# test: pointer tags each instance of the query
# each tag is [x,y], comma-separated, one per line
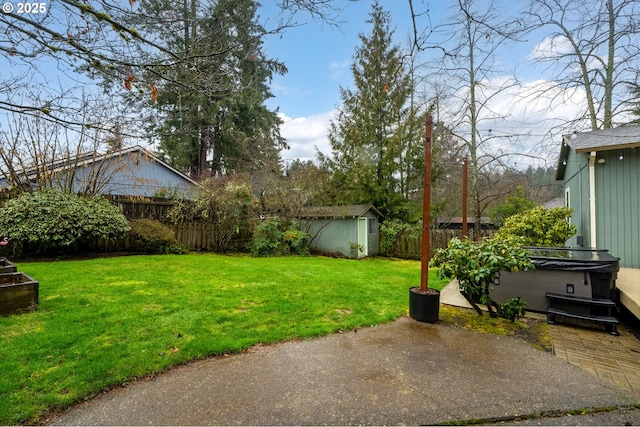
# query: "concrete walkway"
[402,373]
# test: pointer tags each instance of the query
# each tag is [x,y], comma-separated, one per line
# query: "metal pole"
[426,207]
[464,198]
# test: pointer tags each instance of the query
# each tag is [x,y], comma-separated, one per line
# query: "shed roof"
[558,202]
[619,138]
[350,211]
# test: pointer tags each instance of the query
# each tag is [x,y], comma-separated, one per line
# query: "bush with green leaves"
[394,232]
[539,227]
[47,220]
[153,237]
[296,240]
[476,264]
[225,204]
[275,238]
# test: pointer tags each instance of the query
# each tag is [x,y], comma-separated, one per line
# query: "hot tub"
[586,273]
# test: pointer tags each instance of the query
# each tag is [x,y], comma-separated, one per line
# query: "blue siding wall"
[132,174]
[331,235]
[618,205]
[577,181]
[617,202]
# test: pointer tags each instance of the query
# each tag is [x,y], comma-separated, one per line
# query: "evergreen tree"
[373,139]
[228,128]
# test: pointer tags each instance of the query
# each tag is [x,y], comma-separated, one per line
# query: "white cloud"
[526,118]
[284,90]
[551,47]
[560,49]
[306,135]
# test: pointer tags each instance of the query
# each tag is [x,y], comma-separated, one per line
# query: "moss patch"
[534,331]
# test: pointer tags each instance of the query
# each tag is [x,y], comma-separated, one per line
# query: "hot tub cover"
[573,259]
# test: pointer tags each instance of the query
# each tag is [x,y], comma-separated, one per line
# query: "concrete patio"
[615,359]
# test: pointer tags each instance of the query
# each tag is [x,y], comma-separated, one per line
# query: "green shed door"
[363,237]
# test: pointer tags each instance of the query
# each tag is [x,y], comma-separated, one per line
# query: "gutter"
[592,199]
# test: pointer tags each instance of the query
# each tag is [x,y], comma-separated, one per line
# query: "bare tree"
[472,88]
[124,43]
[593,47]
[36,153]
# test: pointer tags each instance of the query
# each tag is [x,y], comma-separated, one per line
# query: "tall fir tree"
[227,128]
[375,138]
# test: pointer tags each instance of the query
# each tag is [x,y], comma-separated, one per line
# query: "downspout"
[592,199]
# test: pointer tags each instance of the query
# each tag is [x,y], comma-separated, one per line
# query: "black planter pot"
[424,307]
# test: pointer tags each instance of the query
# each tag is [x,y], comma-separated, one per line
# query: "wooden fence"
[197,236]
[139,207]
[411,248]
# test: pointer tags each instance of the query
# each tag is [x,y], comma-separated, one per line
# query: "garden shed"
[351,231]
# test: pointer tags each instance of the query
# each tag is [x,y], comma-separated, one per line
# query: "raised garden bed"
[18,293]
[7,266]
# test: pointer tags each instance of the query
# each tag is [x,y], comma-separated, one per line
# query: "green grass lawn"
[103,322]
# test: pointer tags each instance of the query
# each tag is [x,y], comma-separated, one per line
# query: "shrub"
[274,238]
[267,239]
[297,241]
[225,204]
[539,227]
[393,232]
[153,237]
[48,220]
[475,265]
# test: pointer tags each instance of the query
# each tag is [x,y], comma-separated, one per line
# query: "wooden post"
[464,198]
[426,207]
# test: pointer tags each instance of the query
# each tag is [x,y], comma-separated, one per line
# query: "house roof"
[89,158]
[598,140]
[602,140]
[558,202]
[458,220]
[351,211]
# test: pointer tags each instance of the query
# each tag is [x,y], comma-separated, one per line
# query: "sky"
[318,57]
